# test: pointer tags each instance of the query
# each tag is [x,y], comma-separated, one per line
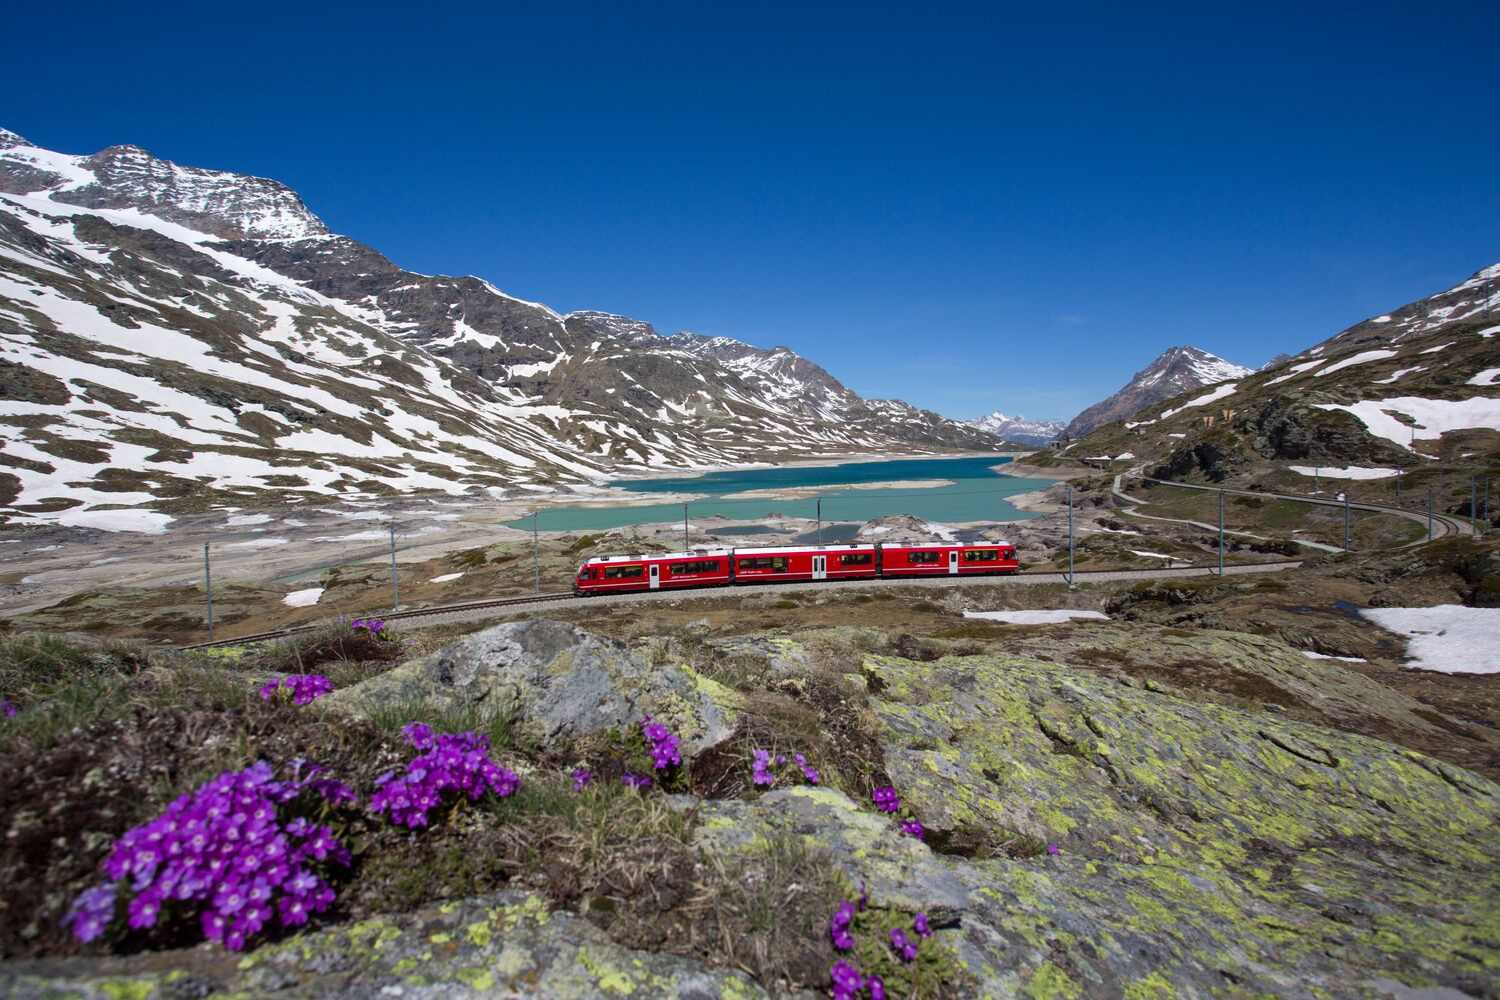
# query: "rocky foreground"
[1086,835]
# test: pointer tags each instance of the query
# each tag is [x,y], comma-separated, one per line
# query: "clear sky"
[969,208]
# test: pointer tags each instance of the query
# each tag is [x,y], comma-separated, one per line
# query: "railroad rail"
[1444,525]
[468,609]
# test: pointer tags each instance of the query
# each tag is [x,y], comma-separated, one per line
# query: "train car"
[947,559]
[675,570]
[788,563]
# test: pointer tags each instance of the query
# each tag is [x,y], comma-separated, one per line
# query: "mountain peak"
[1018,428]
[1174,371]
[212,202]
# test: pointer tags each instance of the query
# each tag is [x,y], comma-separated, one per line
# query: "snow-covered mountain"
[171,337]
[1416,387]
[1175,371]
[1019,429]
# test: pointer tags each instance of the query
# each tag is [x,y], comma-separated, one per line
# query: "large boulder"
[500,947]
[557,683]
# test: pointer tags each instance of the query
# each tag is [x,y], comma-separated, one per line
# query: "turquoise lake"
[978,494]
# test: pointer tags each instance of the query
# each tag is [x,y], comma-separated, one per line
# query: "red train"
[788,563]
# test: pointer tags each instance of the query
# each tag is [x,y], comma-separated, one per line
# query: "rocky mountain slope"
[1019,429]
[171,337]
[1176,370]
[1415,389]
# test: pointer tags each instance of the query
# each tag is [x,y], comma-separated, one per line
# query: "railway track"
[1444,525]
[472,609]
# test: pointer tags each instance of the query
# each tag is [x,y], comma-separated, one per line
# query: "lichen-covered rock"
[1204,850]
[508,945]
[558,683]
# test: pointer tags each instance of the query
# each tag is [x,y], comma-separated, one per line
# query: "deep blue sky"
[969,208]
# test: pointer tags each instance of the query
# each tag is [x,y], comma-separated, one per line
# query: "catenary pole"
[1429,515]
[395,585]
[1221,532]
[686,545]
[208,589]
[1474,503]
[536,554]
[1070,535]
[1346,519]
[820,520]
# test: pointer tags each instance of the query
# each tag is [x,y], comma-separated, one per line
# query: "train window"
[703,566]
[923,557]
[855,559]
[982,555]
[774,563]
[623,572]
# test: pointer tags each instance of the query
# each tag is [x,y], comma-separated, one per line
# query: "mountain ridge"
[177,336]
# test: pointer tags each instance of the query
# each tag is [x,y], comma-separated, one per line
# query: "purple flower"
[847,982]
[886,799]
[1053,849]
[838,926]
[418,734]
[632,780]
[453,763]
[808,772]
[224,853]
[920,925]
[581,777]
[661,744]
[8,709]
[913,828]
[304,688]
[876,986]
[760,771]
[902,945]
[370,625]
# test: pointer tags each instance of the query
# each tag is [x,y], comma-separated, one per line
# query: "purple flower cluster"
[304,688]
[8,708]
[457,762]
[1053,849]
[581,777]
[847,982]
[374,626]
[913,828]
[227,851]
[760,769]
[886,799]
[637,781]
[661,744]
[904,947]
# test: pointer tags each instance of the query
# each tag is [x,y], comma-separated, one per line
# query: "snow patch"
[445,578]
[303,598]
[1433,417]
[1449,638]
[1323,656]
[1364,357]
[1036,617]
[1345,472]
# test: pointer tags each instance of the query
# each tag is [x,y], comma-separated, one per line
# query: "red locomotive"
[791,563]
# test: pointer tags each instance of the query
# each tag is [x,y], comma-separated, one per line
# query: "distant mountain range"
[1018,429]
[174,337]
[1175,371]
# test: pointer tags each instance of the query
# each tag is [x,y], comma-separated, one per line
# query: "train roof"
[771,550]
[942,544]
[694,554]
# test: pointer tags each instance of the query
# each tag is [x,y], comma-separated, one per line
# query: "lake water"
[978,494]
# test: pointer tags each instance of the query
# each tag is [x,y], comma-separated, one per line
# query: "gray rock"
[557,683]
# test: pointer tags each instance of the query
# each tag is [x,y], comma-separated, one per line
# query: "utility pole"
[536,554]
[1316,470]
[1346,519]
[395,586]
[1486,526]
[208,588]
[1474,503]
[686,545]
[820,520]
[1221,532]
[1429,515]
[1070,536]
